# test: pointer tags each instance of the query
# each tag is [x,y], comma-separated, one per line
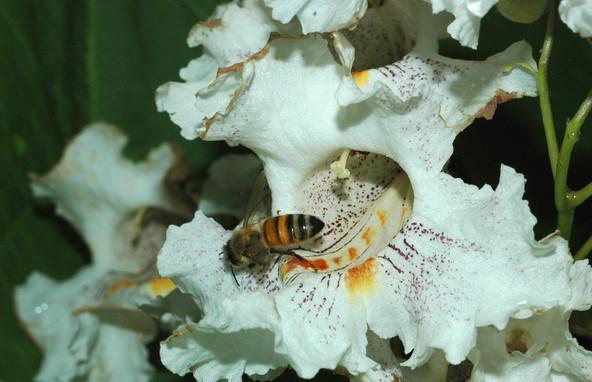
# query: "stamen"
[340,166]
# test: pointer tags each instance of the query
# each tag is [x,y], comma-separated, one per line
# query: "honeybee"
[252,244]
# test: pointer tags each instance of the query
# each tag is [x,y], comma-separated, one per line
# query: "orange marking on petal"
[368,235]
[121,284]
[353,253]
[382,216]
[294,262]
[361,279]
[337,260]
[161,287]
[361,77]
[320,264]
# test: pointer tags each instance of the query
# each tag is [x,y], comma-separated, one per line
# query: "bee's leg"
[234,277]
[303,259]
[277,259]
[301,248]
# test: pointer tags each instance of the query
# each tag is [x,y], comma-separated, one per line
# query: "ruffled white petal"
[216,356]
[319,15]
[410,290]
[192,256]
[423,100]
[535,349]
[470,245]
[235,33]
[389,368]
[577,14]
[98,191]
[467,14]
[79,345]
[177,98]
[232,35]
[198,267]
[84,333]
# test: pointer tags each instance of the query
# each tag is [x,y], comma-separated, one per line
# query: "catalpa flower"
[83,330]
[539,348]
[360,142]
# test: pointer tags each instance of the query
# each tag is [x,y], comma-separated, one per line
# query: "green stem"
[575,198]
[543,87]
[584,250]
[562,193]
[564,223]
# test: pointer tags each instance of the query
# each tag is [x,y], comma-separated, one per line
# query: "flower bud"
[522,11]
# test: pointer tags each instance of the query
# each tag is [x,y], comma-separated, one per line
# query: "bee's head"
[240,247]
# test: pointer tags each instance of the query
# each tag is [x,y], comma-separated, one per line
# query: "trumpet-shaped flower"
[83,332]
[407,251]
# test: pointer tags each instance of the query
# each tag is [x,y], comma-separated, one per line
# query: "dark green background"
[65,63]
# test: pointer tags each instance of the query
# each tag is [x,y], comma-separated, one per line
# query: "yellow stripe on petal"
[161,287]
[361,77]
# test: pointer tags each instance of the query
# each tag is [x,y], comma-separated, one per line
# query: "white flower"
[540,348]
[577,14]
[408,251]
[83,333]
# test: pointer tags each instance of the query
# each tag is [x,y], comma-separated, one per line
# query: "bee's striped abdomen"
[286,230]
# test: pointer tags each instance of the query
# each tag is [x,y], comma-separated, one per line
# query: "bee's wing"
[259,200]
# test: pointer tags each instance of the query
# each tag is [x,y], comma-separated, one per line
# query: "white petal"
[480,7]
[314,306]
[178,99]
[536,349]
[235,33]
[389,367]
[98,191]
[320,327]
[577,14]
[319,15]
[77,345]
[213,356]
[84,334]
[234,37]
[120,355]
[468,14]
[192,256]
[423,100]
[470,245]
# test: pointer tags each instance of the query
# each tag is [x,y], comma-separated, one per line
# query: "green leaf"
[40,106]
[133,47]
